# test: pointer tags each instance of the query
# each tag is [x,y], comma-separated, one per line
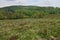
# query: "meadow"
[30,29]
[29,23]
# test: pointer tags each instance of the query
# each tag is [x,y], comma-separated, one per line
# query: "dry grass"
[29,29]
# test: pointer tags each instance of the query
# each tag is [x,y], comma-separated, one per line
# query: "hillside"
[18,12]
[30,29]
[29,23]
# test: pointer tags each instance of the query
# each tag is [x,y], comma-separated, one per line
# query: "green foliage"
[18,12]
[29,29]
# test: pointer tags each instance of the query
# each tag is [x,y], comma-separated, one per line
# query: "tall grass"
[30,29]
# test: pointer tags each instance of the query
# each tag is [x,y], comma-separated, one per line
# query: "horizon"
[43,3]
[28,6]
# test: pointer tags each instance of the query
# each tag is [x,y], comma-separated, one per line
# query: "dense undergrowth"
[30,29]
[29,23]
[20,12]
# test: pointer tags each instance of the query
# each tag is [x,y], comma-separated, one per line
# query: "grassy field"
[30,29]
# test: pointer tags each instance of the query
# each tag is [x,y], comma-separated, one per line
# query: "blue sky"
[55,3]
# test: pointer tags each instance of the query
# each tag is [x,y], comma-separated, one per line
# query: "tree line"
[19,12]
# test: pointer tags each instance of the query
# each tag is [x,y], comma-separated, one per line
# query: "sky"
[54,3]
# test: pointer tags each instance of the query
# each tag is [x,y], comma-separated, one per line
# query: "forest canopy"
[18,12]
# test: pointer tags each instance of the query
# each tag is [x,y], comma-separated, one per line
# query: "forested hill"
[18,12]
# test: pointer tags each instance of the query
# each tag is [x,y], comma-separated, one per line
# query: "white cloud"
[55,3]
[30,2]
[22,1]
[11,2]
